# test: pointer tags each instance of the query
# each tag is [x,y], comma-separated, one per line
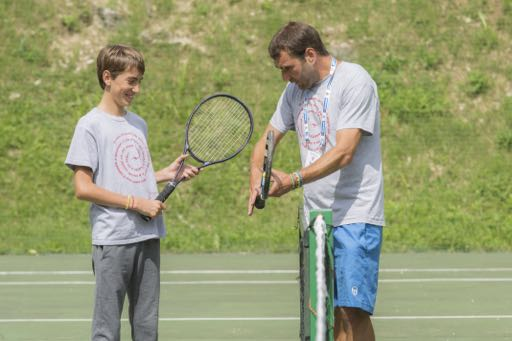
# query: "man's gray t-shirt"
[354,193]
[115,149]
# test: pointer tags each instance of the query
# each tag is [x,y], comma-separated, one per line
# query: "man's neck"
[322,69]
[324,66]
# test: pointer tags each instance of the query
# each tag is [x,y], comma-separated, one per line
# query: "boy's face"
[124,87]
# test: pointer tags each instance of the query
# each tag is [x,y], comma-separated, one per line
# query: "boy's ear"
[107,77]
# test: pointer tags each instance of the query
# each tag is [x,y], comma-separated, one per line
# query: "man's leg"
[144,292]
[353,324]
[356,260]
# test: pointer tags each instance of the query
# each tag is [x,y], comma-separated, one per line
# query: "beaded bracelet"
[299,179]
[293,181]
[128,202]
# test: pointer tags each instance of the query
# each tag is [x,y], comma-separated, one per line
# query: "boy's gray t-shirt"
[354,193]
[115,149]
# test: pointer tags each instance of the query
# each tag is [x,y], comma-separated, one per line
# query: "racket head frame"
[171,185]
[205,163]
[267,165]
[267,171]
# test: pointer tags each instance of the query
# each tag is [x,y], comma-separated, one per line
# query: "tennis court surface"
[423,296]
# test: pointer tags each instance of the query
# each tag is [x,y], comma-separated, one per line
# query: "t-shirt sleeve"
[282,119]
[359,109]
[83,150]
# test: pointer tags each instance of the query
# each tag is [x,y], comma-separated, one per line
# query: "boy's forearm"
[159,177]
[103,197]
[86,189]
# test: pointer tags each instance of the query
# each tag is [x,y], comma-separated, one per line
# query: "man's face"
[296,70]
[125,86]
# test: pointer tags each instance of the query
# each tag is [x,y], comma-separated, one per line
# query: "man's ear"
[310,55]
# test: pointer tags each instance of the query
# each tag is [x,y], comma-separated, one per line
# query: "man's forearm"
[328,163]
[338,157]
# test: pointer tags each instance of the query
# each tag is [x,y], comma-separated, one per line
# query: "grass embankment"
[444,78]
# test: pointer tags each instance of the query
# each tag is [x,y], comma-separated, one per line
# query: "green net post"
[305,332]
[329,276]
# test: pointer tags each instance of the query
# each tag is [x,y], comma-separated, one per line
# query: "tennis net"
[316,276]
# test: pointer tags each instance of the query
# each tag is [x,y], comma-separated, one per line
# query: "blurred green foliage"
[444,80]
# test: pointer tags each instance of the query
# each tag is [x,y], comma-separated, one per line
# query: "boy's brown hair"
[116,59]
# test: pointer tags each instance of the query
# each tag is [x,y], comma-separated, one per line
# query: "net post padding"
[316,263]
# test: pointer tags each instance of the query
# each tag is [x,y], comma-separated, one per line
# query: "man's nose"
[285,76]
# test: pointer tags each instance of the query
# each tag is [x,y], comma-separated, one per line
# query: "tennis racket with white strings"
[217,130]
[267,171]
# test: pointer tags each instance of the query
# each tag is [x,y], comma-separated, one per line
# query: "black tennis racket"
[218,128]
[267,171]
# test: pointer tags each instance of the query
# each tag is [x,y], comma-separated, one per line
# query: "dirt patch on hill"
[76,48]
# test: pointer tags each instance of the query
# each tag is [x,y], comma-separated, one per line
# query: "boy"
[112,169]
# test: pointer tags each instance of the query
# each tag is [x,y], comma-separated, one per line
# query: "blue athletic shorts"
[356,263]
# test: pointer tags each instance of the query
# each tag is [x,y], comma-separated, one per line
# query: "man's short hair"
[295,38]
[116,59]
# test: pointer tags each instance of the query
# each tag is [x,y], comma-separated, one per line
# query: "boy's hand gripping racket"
[218,128]
[267,171]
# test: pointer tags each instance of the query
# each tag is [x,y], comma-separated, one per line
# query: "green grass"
[444,82]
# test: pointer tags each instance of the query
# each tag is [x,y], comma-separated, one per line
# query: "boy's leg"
[144,292]
[112,271]
[356,258]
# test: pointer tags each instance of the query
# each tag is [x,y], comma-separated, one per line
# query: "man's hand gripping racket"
[217,130]
[267,171]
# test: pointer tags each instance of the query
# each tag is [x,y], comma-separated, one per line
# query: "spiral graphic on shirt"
[313,106]
[131,157]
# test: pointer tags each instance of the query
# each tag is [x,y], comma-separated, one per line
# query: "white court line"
[285,318]
[448,270]
[172,319]
[163,272]
[433,280]
[242,282]
[226,282]
[234,282]
[251,272]
[164,319]
[444,317]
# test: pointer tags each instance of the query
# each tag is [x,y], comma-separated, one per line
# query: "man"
[333,106]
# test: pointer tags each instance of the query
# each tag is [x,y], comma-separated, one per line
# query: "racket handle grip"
[162,196]
[168,189]
[259,203]
[145,217]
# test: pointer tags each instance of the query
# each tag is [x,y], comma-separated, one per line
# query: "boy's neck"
[109,106]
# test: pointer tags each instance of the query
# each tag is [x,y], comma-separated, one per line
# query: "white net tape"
[320,231]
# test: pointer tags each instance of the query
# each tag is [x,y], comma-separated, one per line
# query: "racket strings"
[219,128]
[215,141]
